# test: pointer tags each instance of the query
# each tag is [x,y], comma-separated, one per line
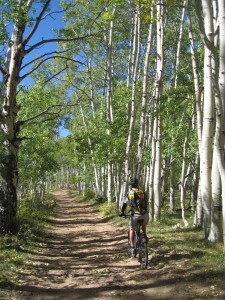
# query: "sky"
[46,31]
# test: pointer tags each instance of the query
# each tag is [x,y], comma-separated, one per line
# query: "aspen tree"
[90,145]
[220,106]
[132,113]
[216,212]
[109,93]
[198,97]
[9,111]
[157,118]
[141,140]
[182,180]
[208,114]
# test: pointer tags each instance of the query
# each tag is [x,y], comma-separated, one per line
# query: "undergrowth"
[33,216]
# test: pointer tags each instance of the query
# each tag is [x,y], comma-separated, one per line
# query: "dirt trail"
[86,258]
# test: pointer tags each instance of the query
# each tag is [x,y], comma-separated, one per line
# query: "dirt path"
[86,258]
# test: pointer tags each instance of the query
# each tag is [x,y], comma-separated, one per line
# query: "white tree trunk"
[220,120]
[197,87]
[216,213]
[157,120]
[143,103]
[182,180]
[208,119]
[177,62]
[90,146]
[136,52]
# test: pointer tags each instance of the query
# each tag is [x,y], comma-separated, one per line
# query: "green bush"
[89,194]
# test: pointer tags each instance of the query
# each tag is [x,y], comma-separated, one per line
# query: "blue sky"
[46,31]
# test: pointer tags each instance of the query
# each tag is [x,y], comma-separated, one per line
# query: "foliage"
[37,155]
[89,194]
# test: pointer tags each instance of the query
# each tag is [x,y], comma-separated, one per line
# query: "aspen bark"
[177,62]
[220,105]
[10,130]
[174,85]
[157,119]
[182,180]
[208,114]
[198,97]
[136,54]
[90,147]
[144,102]
[216,213]
[109,93]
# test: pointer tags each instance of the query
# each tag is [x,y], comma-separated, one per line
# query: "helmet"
[133,182]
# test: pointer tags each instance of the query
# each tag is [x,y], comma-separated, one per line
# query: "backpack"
[138,202]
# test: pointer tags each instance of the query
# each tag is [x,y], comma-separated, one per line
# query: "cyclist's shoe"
[133,252]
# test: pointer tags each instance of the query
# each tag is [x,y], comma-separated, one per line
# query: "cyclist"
[137,201]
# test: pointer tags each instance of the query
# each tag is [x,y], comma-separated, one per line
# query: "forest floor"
[85,257]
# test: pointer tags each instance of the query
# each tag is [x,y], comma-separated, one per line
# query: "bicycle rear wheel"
[143,254]
[128,241]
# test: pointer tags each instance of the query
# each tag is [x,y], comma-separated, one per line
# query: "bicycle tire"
[128,241]
[143,254]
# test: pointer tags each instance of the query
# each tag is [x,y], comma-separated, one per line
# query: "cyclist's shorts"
[134,221]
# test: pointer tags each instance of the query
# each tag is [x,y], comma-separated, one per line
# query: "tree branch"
[41,56]
[198,9]
[2,71]
[57,40]
[45,112]
[54,75]
[38,20]
[46,59]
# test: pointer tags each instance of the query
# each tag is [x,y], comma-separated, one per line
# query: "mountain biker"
[137,211]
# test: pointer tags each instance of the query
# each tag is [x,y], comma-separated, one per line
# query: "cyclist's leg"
[133,228]
[144,226]
[131,233]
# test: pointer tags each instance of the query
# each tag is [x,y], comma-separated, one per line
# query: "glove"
[131,213]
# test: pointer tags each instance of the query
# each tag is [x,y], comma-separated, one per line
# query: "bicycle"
[140,245]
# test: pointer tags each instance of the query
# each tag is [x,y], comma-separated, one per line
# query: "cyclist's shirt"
[137,201]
